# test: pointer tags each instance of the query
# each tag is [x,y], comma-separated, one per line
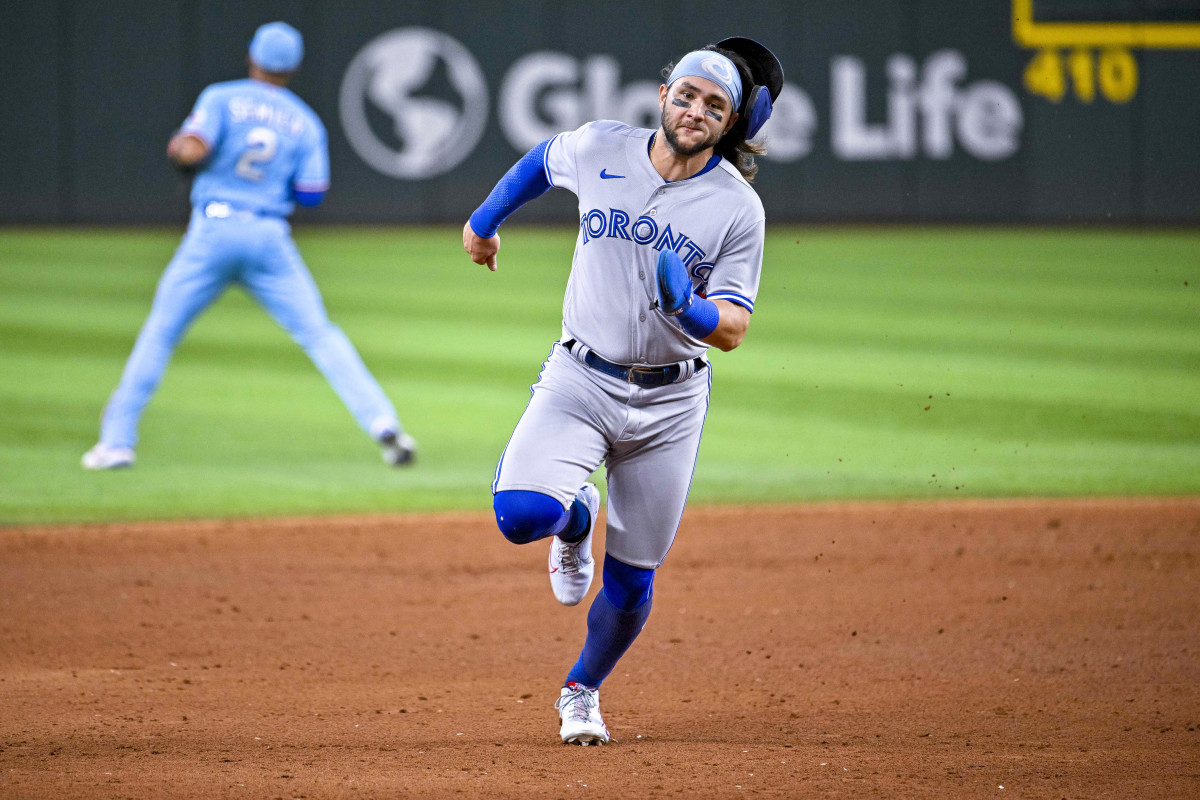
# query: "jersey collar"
[712,162]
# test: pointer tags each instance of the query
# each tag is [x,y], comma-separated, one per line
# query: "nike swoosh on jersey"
[604,174]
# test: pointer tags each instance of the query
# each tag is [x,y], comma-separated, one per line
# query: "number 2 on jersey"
[261,146]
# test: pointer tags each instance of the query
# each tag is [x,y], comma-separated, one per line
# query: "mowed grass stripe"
[891,363]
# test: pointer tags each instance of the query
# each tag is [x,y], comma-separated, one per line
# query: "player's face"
[696,113]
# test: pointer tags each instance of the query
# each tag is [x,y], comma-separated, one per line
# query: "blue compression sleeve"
[525,181]
[701,317]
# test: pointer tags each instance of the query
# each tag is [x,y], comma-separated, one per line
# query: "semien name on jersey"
[246,109]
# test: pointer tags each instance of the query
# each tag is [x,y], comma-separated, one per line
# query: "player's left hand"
[674,285]
[481,251]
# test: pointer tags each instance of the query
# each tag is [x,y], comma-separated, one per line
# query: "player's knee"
[524,516]
[626,587]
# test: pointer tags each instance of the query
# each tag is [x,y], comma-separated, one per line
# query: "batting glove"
[697,315]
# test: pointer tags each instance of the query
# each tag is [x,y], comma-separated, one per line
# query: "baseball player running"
[257,149]
[666,265]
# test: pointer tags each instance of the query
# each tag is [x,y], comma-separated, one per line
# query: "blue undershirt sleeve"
[307,199]
[525,181]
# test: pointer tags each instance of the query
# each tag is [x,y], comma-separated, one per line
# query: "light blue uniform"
[265,144]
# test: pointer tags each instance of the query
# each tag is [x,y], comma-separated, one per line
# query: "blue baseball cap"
[277,47]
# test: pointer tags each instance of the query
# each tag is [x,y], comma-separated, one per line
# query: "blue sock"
[578,524]
[615,619]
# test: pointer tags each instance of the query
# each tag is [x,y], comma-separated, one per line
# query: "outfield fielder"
[258,149]
[666,265]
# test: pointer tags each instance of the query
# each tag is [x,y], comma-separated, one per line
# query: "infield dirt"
[1032,649]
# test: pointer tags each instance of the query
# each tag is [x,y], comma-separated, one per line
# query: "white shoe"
[571,565]
[398,449]
[579,709]
[105,457]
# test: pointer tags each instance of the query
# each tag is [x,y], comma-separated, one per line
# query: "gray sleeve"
[561,159]
[738,266]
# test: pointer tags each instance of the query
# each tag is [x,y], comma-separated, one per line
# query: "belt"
[219,209]
[646,377]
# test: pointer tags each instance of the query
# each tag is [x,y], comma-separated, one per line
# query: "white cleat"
[105,457]
[571,565]
[579,709]
[399,449]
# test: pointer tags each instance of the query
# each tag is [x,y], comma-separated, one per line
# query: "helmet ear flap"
[758,110]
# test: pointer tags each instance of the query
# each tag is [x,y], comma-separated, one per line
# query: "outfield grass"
[893,363]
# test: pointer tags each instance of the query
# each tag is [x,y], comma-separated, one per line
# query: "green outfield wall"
[893,110]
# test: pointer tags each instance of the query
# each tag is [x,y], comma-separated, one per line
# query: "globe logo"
[413,103]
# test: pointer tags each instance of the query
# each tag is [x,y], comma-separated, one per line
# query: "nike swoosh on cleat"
[605,175]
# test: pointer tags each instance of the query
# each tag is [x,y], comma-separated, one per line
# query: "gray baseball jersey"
[627,214]
[578,416]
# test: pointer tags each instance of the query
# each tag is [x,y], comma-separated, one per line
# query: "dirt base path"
[973,649]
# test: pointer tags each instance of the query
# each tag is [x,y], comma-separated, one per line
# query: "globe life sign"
[414,104]
[913,110]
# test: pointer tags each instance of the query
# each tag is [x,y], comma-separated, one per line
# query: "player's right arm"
[526,180]
[186,151]
[192,143]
